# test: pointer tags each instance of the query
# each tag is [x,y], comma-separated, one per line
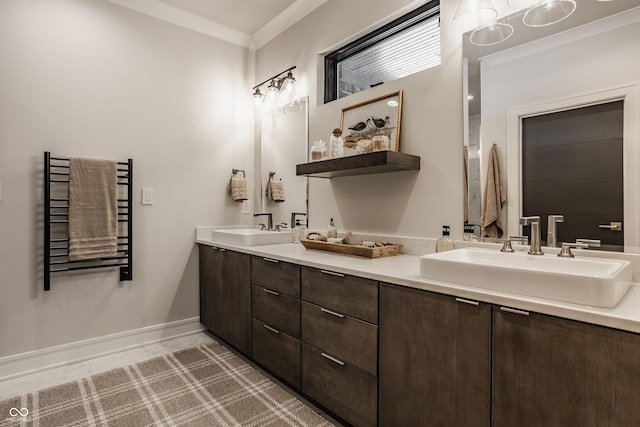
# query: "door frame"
[631,159]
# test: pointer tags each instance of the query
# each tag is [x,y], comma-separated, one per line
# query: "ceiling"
[248,23]
[247,16]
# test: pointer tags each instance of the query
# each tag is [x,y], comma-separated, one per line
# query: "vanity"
[374,343]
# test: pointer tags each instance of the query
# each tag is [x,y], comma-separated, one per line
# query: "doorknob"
[613,226]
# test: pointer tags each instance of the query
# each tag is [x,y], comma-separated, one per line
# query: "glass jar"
[319,151]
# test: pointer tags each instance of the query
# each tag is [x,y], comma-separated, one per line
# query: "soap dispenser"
[332,231]
[445,243]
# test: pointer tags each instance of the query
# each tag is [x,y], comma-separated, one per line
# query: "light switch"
[147,196]
[246,206]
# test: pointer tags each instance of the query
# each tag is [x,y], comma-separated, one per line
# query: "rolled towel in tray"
[276,190]
[93,208]
[238,188]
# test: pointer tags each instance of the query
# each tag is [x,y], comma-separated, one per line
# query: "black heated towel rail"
[56,222]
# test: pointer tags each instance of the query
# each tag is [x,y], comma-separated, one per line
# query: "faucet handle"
[506,243]
[262,226]
[565,252]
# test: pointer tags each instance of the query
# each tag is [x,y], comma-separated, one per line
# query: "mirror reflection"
[516,92]
[284,141]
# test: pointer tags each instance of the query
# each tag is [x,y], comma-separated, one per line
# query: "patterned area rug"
[201,386]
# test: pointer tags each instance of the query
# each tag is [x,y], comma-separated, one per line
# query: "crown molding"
[182,18]
[298,10]
[174,15]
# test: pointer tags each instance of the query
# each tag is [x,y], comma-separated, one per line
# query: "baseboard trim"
[52,357]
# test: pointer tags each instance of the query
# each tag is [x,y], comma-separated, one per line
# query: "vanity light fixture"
[480,11]
[493,33]
[549,12]
[280,91]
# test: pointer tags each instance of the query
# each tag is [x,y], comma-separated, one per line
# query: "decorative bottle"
[336,144]
[318,150]
[332,231]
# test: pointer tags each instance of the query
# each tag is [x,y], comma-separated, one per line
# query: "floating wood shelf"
[361,164]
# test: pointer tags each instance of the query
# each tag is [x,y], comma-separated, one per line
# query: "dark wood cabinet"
[551,371]
[339,344]
[276,318]
[225,295]
[435,359]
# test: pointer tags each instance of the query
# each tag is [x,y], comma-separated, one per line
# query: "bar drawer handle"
[514,311]
[332,273]
[270,292]
[271,329]
[333,359]
[466,301]
[333,313]
[275,261]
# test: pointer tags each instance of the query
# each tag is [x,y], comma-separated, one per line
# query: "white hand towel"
[93,208]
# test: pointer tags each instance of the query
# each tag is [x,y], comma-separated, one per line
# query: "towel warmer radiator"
[56,220]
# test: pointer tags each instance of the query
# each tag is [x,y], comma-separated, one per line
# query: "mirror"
[582,60]
[284,142]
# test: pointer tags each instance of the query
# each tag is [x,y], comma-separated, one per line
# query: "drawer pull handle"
[270,292]
[514,311]
[466,301]
[332,273]
[271,329]
[333,359]
[275,261]
[333,313]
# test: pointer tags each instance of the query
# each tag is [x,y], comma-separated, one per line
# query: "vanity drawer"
[351,340]
[276,309]
[350,295]
[276,275]
[345,390]
[276,351]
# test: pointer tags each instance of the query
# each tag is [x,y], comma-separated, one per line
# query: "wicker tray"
[342,248]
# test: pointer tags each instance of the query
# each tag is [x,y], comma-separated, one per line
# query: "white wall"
[564,67]
[406,203]
[90,78]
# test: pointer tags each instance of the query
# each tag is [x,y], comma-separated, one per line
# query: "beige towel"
[276,191]
[238,188]
[93,208]
[494,198]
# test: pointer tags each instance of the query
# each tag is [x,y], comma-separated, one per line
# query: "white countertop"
[405,270]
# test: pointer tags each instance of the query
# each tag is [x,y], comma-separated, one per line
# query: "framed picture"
[373,125]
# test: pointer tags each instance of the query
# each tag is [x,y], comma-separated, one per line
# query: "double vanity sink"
[599,282]
[588,281]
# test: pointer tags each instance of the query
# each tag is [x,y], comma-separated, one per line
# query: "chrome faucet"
[534,222]
[552,236]
[269,219]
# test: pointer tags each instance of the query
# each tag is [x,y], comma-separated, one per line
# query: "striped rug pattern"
[200,386]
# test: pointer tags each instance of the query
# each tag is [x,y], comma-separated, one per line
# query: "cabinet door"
[557,372]
[435,359]
[210,287]
[235,300]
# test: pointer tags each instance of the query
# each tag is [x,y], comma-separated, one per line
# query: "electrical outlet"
[246,206]
[148,196]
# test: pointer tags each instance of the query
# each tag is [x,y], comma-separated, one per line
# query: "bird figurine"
[358,126]
[379,122]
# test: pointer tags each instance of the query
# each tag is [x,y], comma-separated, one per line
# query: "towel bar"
[56,167]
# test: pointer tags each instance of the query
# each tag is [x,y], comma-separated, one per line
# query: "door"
[572,165]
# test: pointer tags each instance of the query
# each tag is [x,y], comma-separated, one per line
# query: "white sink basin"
[600,282]
[250,236]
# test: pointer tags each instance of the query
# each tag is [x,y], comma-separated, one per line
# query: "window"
[404,46]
